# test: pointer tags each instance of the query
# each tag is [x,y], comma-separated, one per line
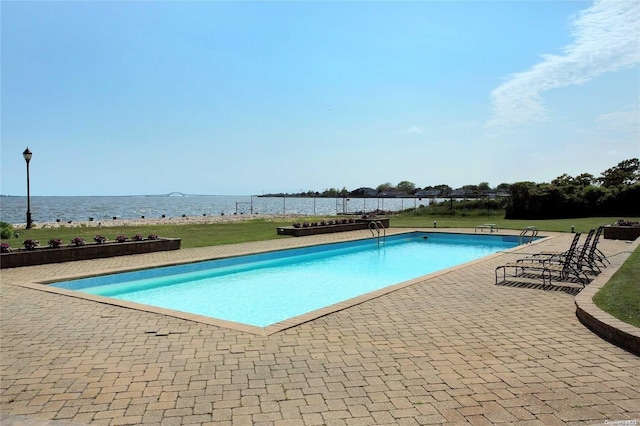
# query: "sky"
[248,98]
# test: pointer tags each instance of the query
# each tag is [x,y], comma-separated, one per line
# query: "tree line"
[402,189]
[616,192]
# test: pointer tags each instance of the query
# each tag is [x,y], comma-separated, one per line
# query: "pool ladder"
[375,227]
[527,235]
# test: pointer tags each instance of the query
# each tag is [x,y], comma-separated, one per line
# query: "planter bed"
[628,233]
[41,256]
[327,229]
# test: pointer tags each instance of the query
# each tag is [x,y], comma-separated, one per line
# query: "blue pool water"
[267,288]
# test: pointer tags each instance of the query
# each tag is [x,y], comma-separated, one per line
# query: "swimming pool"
[268,288]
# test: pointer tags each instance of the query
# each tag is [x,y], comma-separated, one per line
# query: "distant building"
[460,193]
[364,192]
[495,194]
[394,194]
[427,193]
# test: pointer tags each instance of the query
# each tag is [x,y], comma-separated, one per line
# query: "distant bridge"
[178,194]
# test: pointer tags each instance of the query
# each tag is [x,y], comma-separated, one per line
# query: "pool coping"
[281,325]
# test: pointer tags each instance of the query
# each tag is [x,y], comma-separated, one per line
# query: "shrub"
[297,225]
[623,222]
[31,244]
[7,231]
[5,248]
[77,241]
[100,239]
[55,243]
[152,237]
[121,238]
[138,237]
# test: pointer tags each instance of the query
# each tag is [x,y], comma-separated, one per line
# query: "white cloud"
[606,39]
[414,130]
[627,120]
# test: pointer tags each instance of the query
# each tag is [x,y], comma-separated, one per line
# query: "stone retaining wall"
[627,233]
[46,255]
[326,229]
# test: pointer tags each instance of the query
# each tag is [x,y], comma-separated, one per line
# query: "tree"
[584,180]
[567,185]
[406,186]
[484,186]
[384,187]
[444,189]
[330,192]
[518,206]
[594,197]
[471,188]
[625,173]
[563,181]
[567,196]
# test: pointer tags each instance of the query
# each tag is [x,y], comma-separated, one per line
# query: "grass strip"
[620,297]
[205,235]
[192,235]
[552,225]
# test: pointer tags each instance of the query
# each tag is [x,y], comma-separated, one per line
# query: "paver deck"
[452,348]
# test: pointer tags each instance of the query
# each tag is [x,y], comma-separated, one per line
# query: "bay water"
[83,208]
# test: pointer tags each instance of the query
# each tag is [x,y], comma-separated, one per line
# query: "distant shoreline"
[89,211]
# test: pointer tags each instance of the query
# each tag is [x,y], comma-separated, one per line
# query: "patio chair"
[556,254]
[577,264]
[561,266]
[595,255]
[586,255]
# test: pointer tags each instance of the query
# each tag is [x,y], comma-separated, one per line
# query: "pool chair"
[556,255]
[595,256]
[586,259]
[578,263]
[550,268]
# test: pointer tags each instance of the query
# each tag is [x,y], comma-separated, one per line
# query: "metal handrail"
[523,234]
[377,225]
[372,226]
[384,231]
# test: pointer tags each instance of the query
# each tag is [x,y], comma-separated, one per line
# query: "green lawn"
[555,225]
[263,229]
[196,235]
[621,295]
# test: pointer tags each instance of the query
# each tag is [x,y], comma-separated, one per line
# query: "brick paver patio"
[453,348]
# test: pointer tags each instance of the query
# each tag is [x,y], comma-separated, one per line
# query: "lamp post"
[27,157]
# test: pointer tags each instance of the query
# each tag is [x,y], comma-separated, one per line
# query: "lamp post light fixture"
[27,157]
